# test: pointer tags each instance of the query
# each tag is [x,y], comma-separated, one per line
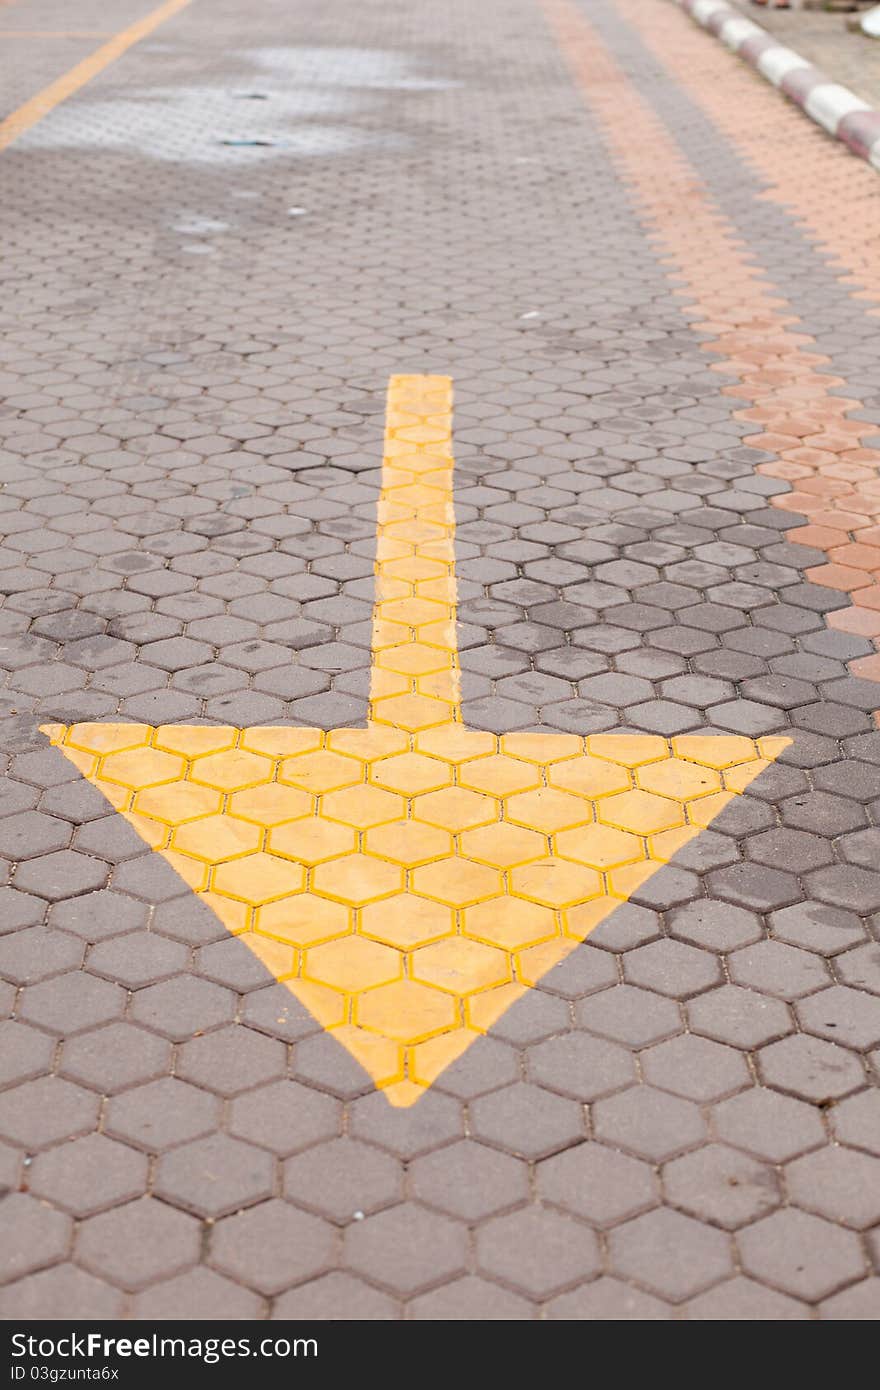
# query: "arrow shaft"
[415,682]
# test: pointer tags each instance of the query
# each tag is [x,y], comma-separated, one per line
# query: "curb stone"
[828,103]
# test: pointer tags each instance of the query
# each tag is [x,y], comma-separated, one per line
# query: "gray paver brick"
[271,1246]
[721,1185]
[627,1014]
[214,1175]
[610,1300]
[597,1183]
[41,1296]
[65,1175]
[335,1297]
[407,1248]
[182,1006]
[670,1254]
[811,1068]
[38,1113]
[198,1294]
[138,1243]
[284,1117]
[767,1124]
[744,1300]
[469,1180]
[161,1113]
[24,1052]
[648,1123]
[582,1067]
[801,1254]
[537,1251]
[526,1121]
[739,1016]
[231,1060]
[837,1183]
[343,1179]
[700,1069]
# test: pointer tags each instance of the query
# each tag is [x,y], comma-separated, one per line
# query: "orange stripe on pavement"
[45,101]
[752,327]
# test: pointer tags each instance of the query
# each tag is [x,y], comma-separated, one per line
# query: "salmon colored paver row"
[818,449]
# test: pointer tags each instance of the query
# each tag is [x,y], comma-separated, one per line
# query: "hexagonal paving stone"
[139,959]
[284,1117]
[629,1015]
[695,1067]
[769,1125]
[839,1184]
[721,1185]
[138,1243]
[37,954]
[648,1123]
[196,1295]
[672,1255]
[817,927]
[41,1112]
[810,1068]
[848,1016]
[744,1300]
[771,967]
[161,1114]
[71,1003]
[579,1066]
[89,1175]
[33,1235]
[81,1295]
[468,1180]
[407,1248]
[62,875]
[231,1060]
[214,1175]
[322,1299]
[406,1132]
[597,1183]
[343,1179]
[716,926]
[24,1052]
[739,1017]
[607,1300]
[537,1251]
[271,1246]
[97,916]
[671,968]
[800,1254]
[182,1006]
[526,1120]
[114,1057]
[856,1120]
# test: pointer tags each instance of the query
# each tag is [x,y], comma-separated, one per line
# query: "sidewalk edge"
[832,106]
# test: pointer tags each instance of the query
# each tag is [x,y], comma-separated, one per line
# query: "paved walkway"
[417,911]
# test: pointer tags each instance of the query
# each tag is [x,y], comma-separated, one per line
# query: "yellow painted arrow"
[409,881]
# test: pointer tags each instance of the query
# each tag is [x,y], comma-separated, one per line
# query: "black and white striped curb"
[828,103]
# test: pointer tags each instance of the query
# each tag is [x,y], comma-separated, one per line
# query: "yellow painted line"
[415,676]
[409,881]
[45,101]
